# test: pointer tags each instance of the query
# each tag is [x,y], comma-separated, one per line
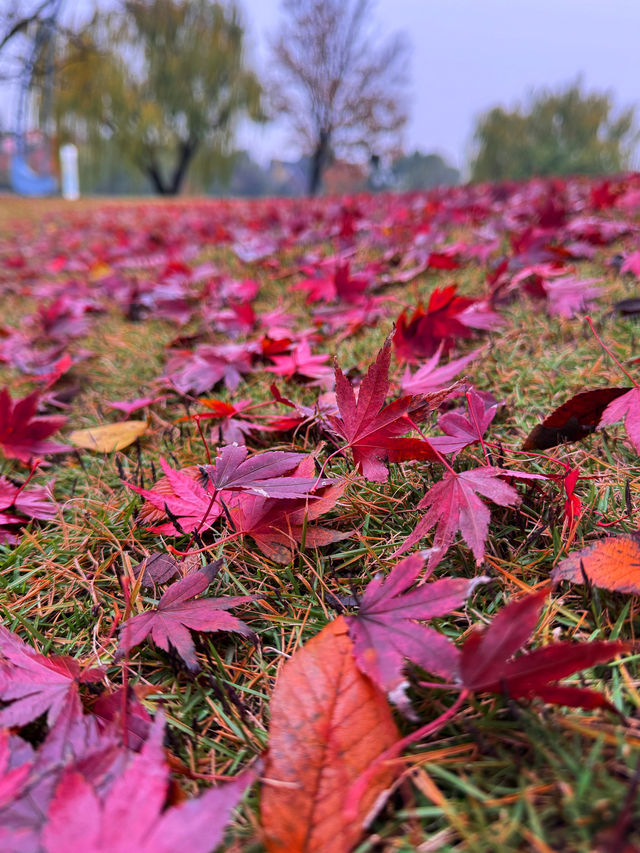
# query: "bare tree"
[341,88]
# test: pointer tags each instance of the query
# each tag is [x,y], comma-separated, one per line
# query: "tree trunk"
[187,150]
[318,162]
[173,186]
[153,173]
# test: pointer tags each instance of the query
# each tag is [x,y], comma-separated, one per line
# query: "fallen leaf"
[371,429]
[23,434]
[329,722]
[612,563]
[573,420]
[130,816]
[186,499]
[453,504]
[276,525]
[387,629]
[626,408]
[487,664]
[261,474]
[462,430]
[34,684]
[109,437]
[170,621]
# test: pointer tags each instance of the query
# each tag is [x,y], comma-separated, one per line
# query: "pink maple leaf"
[33,684]
[462,430]
[429,377]
[453,505]
[171,621]
[625,408]
[129,815]
[387,629]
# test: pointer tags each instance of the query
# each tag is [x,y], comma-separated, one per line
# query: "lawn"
[218,322]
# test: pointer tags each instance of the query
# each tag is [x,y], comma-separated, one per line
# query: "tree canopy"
[341,88]
[563,133]
[163,80]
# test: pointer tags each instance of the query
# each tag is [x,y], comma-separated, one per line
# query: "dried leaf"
[109,437]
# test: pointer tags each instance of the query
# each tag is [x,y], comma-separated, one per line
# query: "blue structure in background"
[24,180]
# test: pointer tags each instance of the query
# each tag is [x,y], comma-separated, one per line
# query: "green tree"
[563,133]
[165,81]
[420,171]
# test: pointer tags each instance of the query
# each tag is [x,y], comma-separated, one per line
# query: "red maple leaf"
[447,318]
[176,615]
[28,502]
[300,362]
[387,629]
[276,526]
[34,684]
[22,434]
[130,816]
[181,493]
[487,664]
[371,429]
[453,504]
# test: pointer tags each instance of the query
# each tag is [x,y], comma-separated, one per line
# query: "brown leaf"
[109,437]
[328,724]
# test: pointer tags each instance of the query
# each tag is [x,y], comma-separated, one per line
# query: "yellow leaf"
[110,437]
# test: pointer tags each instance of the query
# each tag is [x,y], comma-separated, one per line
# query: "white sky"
[469,55]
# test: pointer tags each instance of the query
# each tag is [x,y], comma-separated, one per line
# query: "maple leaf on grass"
[182,494]
[487,664]
[130,816]
[170,623]
[23,434]
[328,723]
[448,317]
[574,420]
[33,684]
[453,504]
[462,430]
[200,370]
[371,429]
[300,362]
[276,526]
[625,408]
[429,377]
[387,629]
[262,474]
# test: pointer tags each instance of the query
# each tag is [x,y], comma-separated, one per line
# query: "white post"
[69,169]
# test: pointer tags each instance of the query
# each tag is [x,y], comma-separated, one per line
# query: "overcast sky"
[469,55]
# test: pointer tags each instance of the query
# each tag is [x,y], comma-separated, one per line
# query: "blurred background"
[287,97]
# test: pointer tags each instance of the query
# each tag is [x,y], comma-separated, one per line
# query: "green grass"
[502,776]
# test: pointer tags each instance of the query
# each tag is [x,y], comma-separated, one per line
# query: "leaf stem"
[359,787]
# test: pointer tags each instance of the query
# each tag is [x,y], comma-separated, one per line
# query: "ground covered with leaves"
[318,522]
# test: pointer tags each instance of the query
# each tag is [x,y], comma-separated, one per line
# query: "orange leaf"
[328,723]
[612,563]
